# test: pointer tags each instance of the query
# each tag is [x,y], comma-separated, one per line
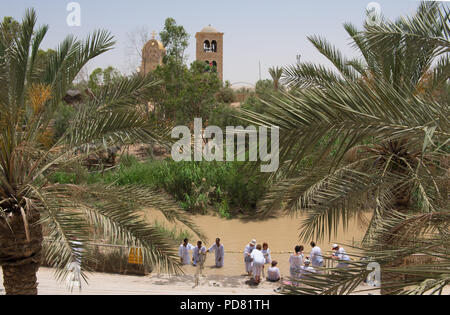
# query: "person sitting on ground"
[183,252]
[198,254]
[273,273]
[247,260]
[220,253]
[258,261]
[340,255]
[307,270]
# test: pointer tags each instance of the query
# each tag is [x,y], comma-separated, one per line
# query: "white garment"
[247,259]
[258,261]
[78,250]
[296,262]
[74,277]
[306,271]
[197,254]
[273,274]
[257,269]
[267,257]
[257,257]
[220,254]
[183,252]
[248,250]
[342,255]
[316,257]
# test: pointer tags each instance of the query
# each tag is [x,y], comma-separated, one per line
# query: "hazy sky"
[272,32]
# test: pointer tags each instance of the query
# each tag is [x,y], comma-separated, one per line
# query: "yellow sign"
[135,256]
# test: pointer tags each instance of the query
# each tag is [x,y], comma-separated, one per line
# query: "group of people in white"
[199,252]
[256,256]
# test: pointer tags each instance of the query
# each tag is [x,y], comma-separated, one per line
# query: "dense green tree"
[103,77]
[175,39]
[185,93]
[226,95]
[10,28]
[43,58]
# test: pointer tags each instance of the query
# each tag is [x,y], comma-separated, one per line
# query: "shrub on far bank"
[225,187]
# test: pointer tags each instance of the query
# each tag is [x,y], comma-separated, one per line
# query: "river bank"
[281,233]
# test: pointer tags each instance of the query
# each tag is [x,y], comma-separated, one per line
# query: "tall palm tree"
[378,128]
[29,201]
[276,73]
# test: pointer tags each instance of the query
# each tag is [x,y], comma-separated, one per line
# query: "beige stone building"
[210,48]
[152,55]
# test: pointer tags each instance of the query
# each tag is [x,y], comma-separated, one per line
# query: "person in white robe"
[74,276]
[183,252]
[316,256]
[247,259]
[258,262]
[340,255]
[219,253]
[296,262]
[198,255]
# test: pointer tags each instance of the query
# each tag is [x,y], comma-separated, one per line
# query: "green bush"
[127,160]
[226,95]
[198,186]
[63,116]
[224,115]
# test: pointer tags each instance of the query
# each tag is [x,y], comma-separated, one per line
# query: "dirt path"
[110,284]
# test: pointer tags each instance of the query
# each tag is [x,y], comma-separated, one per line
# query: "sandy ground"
[111,284]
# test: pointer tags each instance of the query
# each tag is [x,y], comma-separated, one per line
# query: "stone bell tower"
[210,49]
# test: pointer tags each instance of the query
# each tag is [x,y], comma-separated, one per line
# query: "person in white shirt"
[340,255]
[247,260]
[316,256]
[74,277]
[307,270]
[296,262]
[220,253]
[198,254]
[258,261]
[266,252]
[273,273]
[183,252]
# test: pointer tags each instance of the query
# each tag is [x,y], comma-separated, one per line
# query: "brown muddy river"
[282,235]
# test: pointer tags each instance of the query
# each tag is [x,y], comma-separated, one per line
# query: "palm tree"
[276,73]
[377,127]
[30,202]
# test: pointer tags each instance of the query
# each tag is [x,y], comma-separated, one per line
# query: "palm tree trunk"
[20,258]
[21,279]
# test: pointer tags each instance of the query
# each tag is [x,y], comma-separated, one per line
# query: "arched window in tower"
[214,46]
[207,66]
[214,66]
[206,46]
